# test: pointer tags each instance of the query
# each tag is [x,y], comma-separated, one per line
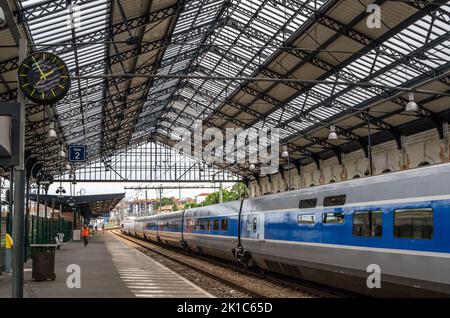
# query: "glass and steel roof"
[330,66]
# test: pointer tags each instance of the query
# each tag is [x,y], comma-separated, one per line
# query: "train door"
[255,226]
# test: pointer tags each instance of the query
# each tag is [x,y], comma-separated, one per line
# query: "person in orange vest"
[85,234]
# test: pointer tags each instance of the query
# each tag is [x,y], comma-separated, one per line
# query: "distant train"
[394,226]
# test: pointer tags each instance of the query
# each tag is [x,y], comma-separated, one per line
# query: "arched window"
[356,176]
[386,171]
[312,185]
[423,164]
[332,181]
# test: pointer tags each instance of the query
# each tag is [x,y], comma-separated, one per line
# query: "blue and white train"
[393,226]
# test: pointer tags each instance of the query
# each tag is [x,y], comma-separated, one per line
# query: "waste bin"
[43,261]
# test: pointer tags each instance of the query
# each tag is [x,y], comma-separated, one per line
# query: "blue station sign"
[77,153]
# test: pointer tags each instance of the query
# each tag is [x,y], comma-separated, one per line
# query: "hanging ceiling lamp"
[412,105]
[332,135]
[51,133]
[62,153]
[285,152]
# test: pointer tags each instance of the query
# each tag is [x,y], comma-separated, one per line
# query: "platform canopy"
[331,67]
[90,206]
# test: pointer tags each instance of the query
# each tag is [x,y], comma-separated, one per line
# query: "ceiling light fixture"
[51,133]
[412,105]
[332,135]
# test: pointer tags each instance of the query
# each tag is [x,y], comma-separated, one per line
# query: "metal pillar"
[369,144]
[11,200]
[50,228]
[27,214]
[37,213]
[44,224]
[19,195]
[289,171]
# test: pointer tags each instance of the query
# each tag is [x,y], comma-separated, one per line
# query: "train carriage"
[213,229]
[170,228]
[336,234]
[150,228]
[333,234]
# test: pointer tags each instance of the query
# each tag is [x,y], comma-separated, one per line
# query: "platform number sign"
[77,153]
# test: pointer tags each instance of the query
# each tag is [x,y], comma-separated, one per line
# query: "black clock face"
[44,78]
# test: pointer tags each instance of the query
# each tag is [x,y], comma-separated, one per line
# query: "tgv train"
[391,230]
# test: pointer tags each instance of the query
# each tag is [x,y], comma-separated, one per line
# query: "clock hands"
[49,73]
[44,78]
[39,68]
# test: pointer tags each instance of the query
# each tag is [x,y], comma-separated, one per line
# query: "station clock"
[44,78]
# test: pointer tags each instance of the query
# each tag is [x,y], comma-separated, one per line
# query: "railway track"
[194,267]
[299,287]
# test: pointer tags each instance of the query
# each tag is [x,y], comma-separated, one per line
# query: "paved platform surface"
[109,268]
[148,278]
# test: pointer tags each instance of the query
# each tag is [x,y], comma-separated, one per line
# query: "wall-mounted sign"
[77,153]
[9,134]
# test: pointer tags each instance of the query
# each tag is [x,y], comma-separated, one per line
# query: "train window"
[414,223]
[333,218]
[306,219]
[367,223]
[216,225]
[254,224]
[208,225]
[202,225]
[224,225]
[334,200]
[307,203]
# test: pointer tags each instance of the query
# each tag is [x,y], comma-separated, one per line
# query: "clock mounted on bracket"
[44,78]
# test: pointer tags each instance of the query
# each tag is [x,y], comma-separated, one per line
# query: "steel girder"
[329,68]
[202,49]
[115,29]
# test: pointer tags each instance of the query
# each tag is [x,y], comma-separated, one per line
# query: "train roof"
[225,208]
[429,181]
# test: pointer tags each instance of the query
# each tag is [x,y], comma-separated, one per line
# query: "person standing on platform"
[85,234]
[103,227]
[9,246]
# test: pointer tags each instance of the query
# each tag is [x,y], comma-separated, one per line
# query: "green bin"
[43,261]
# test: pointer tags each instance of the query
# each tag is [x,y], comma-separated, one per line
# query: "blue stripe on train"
[283,226]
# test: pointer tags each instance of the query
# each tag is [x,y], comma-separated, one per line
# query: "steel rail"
[301,286]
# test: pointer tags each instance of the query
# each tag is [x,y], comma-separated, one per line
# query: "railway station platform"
[108,269]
